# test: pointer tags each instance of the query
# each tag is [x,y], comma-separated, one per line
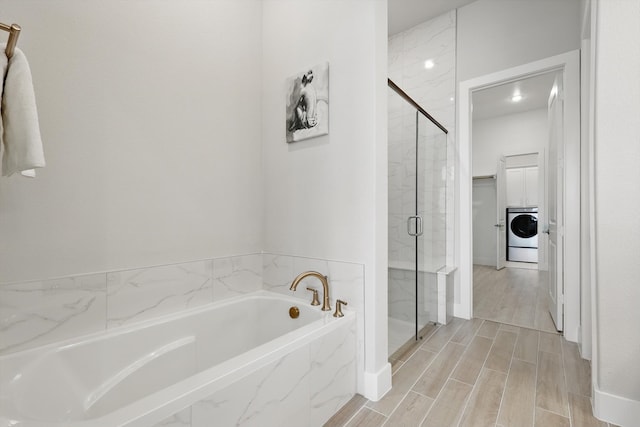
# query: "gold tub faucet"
[325,286]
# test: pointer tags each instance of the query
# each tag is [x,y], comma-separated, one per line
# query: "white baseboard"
[615,409]
[377,384]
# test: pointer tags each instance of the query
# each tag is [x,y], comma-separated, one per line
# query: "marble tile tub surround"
[41,312]
[303,388]
[181,419]
[346,282]
[144,293]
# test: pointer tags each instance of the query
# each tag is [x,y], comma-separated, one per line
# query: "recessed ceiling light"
[429,64]
[516,97]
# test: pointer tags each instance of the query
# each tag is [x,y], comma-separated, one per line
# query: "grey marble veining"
[277,273]
[41,312]
[434,89]
[236,275]
[346,282]
[140,294]
[333,373]
[431,88]
[273,395]
[181,419]
[303,388]
[35,313]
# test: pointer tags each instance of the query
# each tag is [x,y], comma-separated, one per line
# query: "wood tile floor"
[512,295]
[481,373]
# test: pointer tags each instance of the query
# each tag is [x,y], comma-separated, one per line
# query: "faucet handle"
[315,300]
[339,304]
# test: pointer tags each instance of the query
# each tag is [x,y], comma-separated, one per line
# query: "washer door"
[524,226]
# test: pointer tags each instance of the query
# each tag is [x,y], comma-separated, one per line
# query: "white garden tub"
[243,361]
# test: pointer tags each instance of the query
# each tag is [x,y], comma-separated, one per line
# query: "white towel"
[19,130]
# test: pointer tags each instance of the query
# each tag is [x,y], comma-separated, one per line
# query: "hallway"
[481,373]
[513,296]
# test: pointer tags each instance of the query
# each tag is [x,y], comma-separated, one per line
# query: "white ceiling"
[496,101]
[404,14]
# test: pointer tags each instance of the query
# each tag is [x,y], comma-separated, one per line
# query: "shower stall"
[417,155]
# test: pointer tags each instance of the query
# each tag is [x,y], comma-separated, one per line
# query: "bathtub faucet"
[325,286]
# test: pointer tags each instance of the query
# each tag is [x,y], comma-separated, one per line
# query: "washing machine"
[522,234]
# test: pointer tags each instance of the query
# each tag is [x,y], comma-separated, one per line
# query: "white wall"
[498,34]
[617,177]
[150,116]
[326,197]
[512,134]
[586,177]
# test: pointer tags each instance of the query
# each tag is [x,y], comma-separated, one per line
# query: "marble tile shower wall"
[40,312]
[402,296]
[432,88]
[435,90]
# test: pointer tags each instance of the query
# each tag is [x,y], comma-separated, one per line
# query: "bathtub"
[242,361]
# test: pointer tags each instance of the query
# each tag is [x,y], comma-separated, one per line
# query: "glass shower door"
[403,221]
[415,226]
[417,212]
[430,241]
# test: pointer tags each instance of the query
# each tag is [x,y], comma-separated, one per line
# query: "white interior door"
[555,206]
[501,229]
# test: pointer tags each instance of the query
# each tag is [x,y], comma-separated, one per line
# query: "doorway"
[568,67]
[509,135]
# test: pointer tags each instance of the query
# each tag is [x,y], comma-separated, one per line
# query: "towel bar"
[14,32]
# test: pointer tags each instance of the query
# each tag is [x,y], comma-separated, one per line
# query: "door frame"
[569,64]
[555,184]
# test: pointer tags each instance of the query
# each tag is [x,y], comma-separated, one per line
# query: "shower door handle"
[418,228]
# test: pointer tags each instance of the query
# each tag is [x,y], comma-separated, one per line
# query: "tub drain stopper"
[294,312]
